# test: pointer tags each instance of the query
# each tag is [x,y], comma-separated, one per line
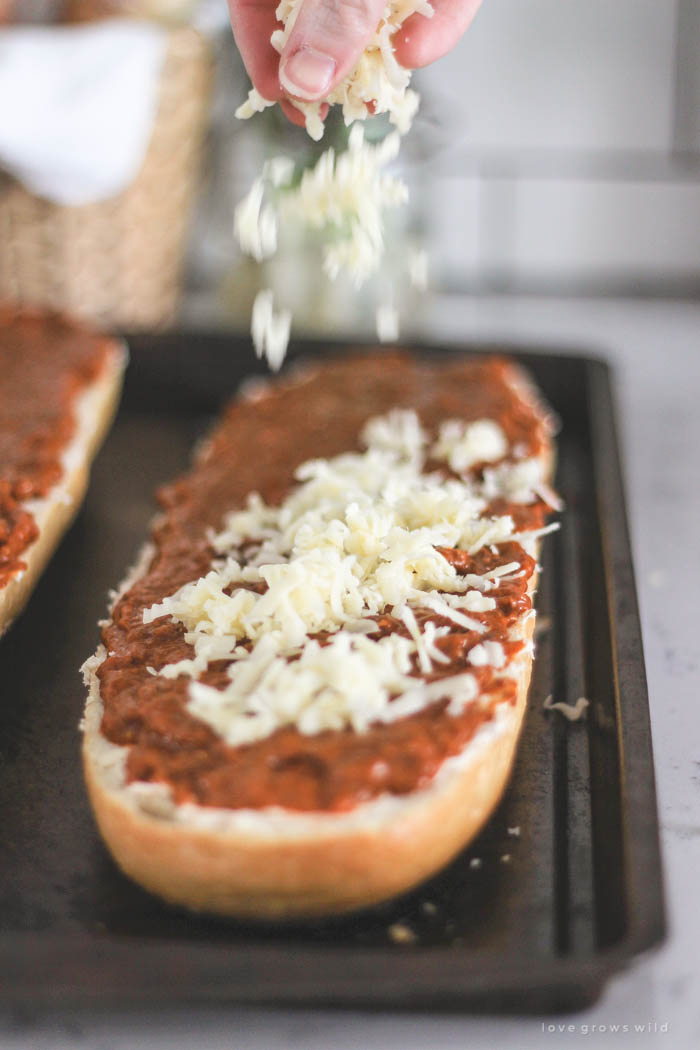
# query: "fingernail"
[307,73]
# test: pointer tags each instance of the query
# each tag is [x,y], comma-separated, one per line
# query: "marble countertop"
[654,348]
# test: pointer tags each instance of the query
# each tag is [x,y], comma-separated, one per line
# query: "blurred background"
[557,152]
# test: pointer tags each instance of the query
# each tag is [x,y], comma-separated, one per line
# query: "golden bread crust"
[326,869]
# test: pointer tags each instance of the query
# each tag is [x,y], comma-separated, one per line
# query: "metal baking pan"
[538,922]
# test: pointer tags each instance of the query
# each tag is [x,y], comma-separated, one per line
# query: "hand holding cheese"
[324,40]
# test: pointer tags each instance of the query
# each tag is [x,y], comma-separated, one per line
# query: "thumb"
[325,44]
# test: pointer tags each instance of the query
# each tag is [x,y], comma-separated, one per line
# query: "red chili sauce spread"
[45,362]
[257,447]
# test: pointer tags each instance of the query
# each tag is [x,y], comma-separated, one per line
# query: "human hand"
[327,40]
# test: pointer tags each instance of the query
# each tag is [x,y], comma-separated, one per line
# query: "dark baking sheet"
[540,924]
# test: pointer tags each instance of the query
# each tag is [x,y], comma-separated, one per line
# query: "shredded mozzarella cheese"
[344,196]
[356,536]
[387,323]
[418,269]
[270,330]
[520,482]
[487,654]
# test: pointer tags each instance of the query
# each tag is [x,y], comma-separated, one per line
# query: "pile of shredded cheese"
[377,81]
[357,535]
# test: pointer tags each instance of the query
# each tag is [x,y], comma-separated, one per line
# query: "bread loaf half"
[308,700]
[59,388]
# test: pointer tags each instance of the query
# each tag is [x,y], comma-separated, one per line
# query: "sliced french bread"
[285,861]
[91,412]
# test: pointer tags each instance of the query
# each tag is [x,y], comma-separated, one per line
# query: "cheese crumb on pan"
[377,81]
[356,536]
[400,933]
[572,712]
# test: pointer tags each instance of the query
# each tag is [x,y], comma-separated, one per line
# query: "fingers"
[253,23]
[422,40]
[326,41]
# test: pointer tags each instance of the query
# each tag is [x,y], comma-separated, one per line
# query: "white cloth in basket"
[77,105]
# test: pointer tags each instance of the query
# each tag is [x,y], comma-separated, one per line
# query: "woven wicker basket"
[119,261]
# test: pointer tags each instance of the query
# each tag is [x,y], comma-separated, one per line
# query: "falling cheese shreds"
[357,535]
[573,712]
[376,84]
[387,319]
[343,195]
[270,329]
[255,224]
[279,170]
[255,219]
[418,268]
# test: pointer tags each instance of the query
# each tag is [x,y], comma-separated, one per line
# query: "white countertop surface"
[655,349]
